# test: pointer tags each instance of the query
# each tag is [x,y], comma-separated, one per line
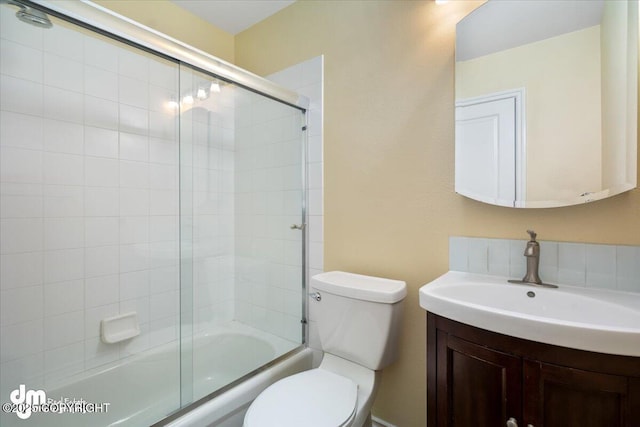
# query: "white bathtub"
[228,409]
[146,387]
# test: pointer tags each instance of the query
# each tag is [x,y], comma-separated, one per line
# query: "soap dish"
[119,328]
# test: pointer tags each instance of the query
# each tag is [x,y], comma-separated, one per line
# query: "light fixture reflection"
[172,104]
[215,87]
[188,99]
[201,94]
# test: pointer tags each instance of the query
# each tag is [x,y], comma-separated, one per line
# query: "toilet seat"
[314,398]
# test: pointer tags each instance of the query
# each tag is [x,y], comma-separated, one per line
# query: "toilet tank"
[358,317]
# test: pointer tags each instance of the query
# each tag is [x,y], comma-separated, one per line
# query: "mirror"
[547,101]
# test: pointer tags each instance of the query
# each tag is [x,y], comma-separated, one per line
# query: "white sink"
[569,316]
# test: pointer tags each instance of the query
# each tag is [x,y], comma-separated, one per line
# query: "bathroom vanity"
[484,371]
[480,378]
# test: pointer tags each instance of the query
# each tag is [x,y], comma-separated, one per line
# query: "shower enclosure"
[152,220]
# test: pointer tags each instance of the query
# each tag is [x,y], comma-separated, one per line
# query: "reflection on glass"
[563,74]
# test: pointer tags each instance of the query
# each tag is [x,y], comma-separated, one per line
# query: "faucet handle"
[533,235]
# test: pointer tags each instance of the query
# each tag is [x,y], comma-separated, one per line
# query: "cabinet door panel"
[477,386]
[557,396]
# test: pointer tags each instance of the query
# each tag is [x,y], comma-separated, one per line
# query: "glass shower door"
[242,263]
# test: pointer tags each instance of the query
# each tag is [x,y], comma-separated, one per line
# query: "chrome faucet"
[532,252]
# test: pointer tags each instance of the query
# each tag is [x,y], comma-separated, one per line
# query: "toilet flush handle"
[315,295]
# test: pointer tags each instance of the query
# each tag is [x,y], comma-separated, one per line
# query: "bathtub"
[146,387]
[228,409]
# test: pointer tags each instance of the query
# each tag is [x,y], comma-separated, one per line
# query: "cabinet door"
[476,386]
[556,396]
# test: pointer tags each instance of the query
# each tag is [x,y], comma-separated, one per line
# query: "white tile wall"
[89,200]
[578,264]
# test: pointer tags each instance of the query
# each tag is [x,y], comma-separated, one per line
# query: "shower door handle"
[297,226]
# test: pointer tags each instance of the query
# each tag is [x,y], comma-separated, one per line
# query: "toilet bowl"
[358,321]
[318,396]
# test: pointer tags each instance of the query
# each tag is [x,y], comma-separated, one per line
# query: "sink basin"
[586,319]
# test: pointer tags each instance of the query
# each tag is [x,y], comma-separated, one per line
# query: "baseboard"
[377,422]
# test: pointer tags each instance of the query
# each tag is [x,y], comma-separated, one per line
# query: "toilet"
[358,321]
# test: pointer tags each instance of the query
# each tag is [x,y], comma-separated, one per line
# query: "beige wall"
[562,111]
[173,21]
[389,200]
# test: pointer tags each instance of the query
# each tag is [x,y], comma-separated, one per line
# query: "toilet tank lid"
[358,286]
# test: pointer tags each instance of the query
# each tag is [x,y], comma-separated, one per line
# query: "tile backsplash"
[599,266]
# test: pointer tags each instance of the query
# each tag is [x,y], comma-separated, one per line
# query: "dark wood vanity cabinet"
[563,396]
[476,385]
[478,378]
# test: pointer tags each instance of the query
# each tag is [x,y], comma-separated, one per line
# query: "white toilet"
[358,320]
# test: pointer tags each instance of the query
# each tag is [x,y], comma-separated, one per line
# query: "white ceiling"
[504,24]
[233,16]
